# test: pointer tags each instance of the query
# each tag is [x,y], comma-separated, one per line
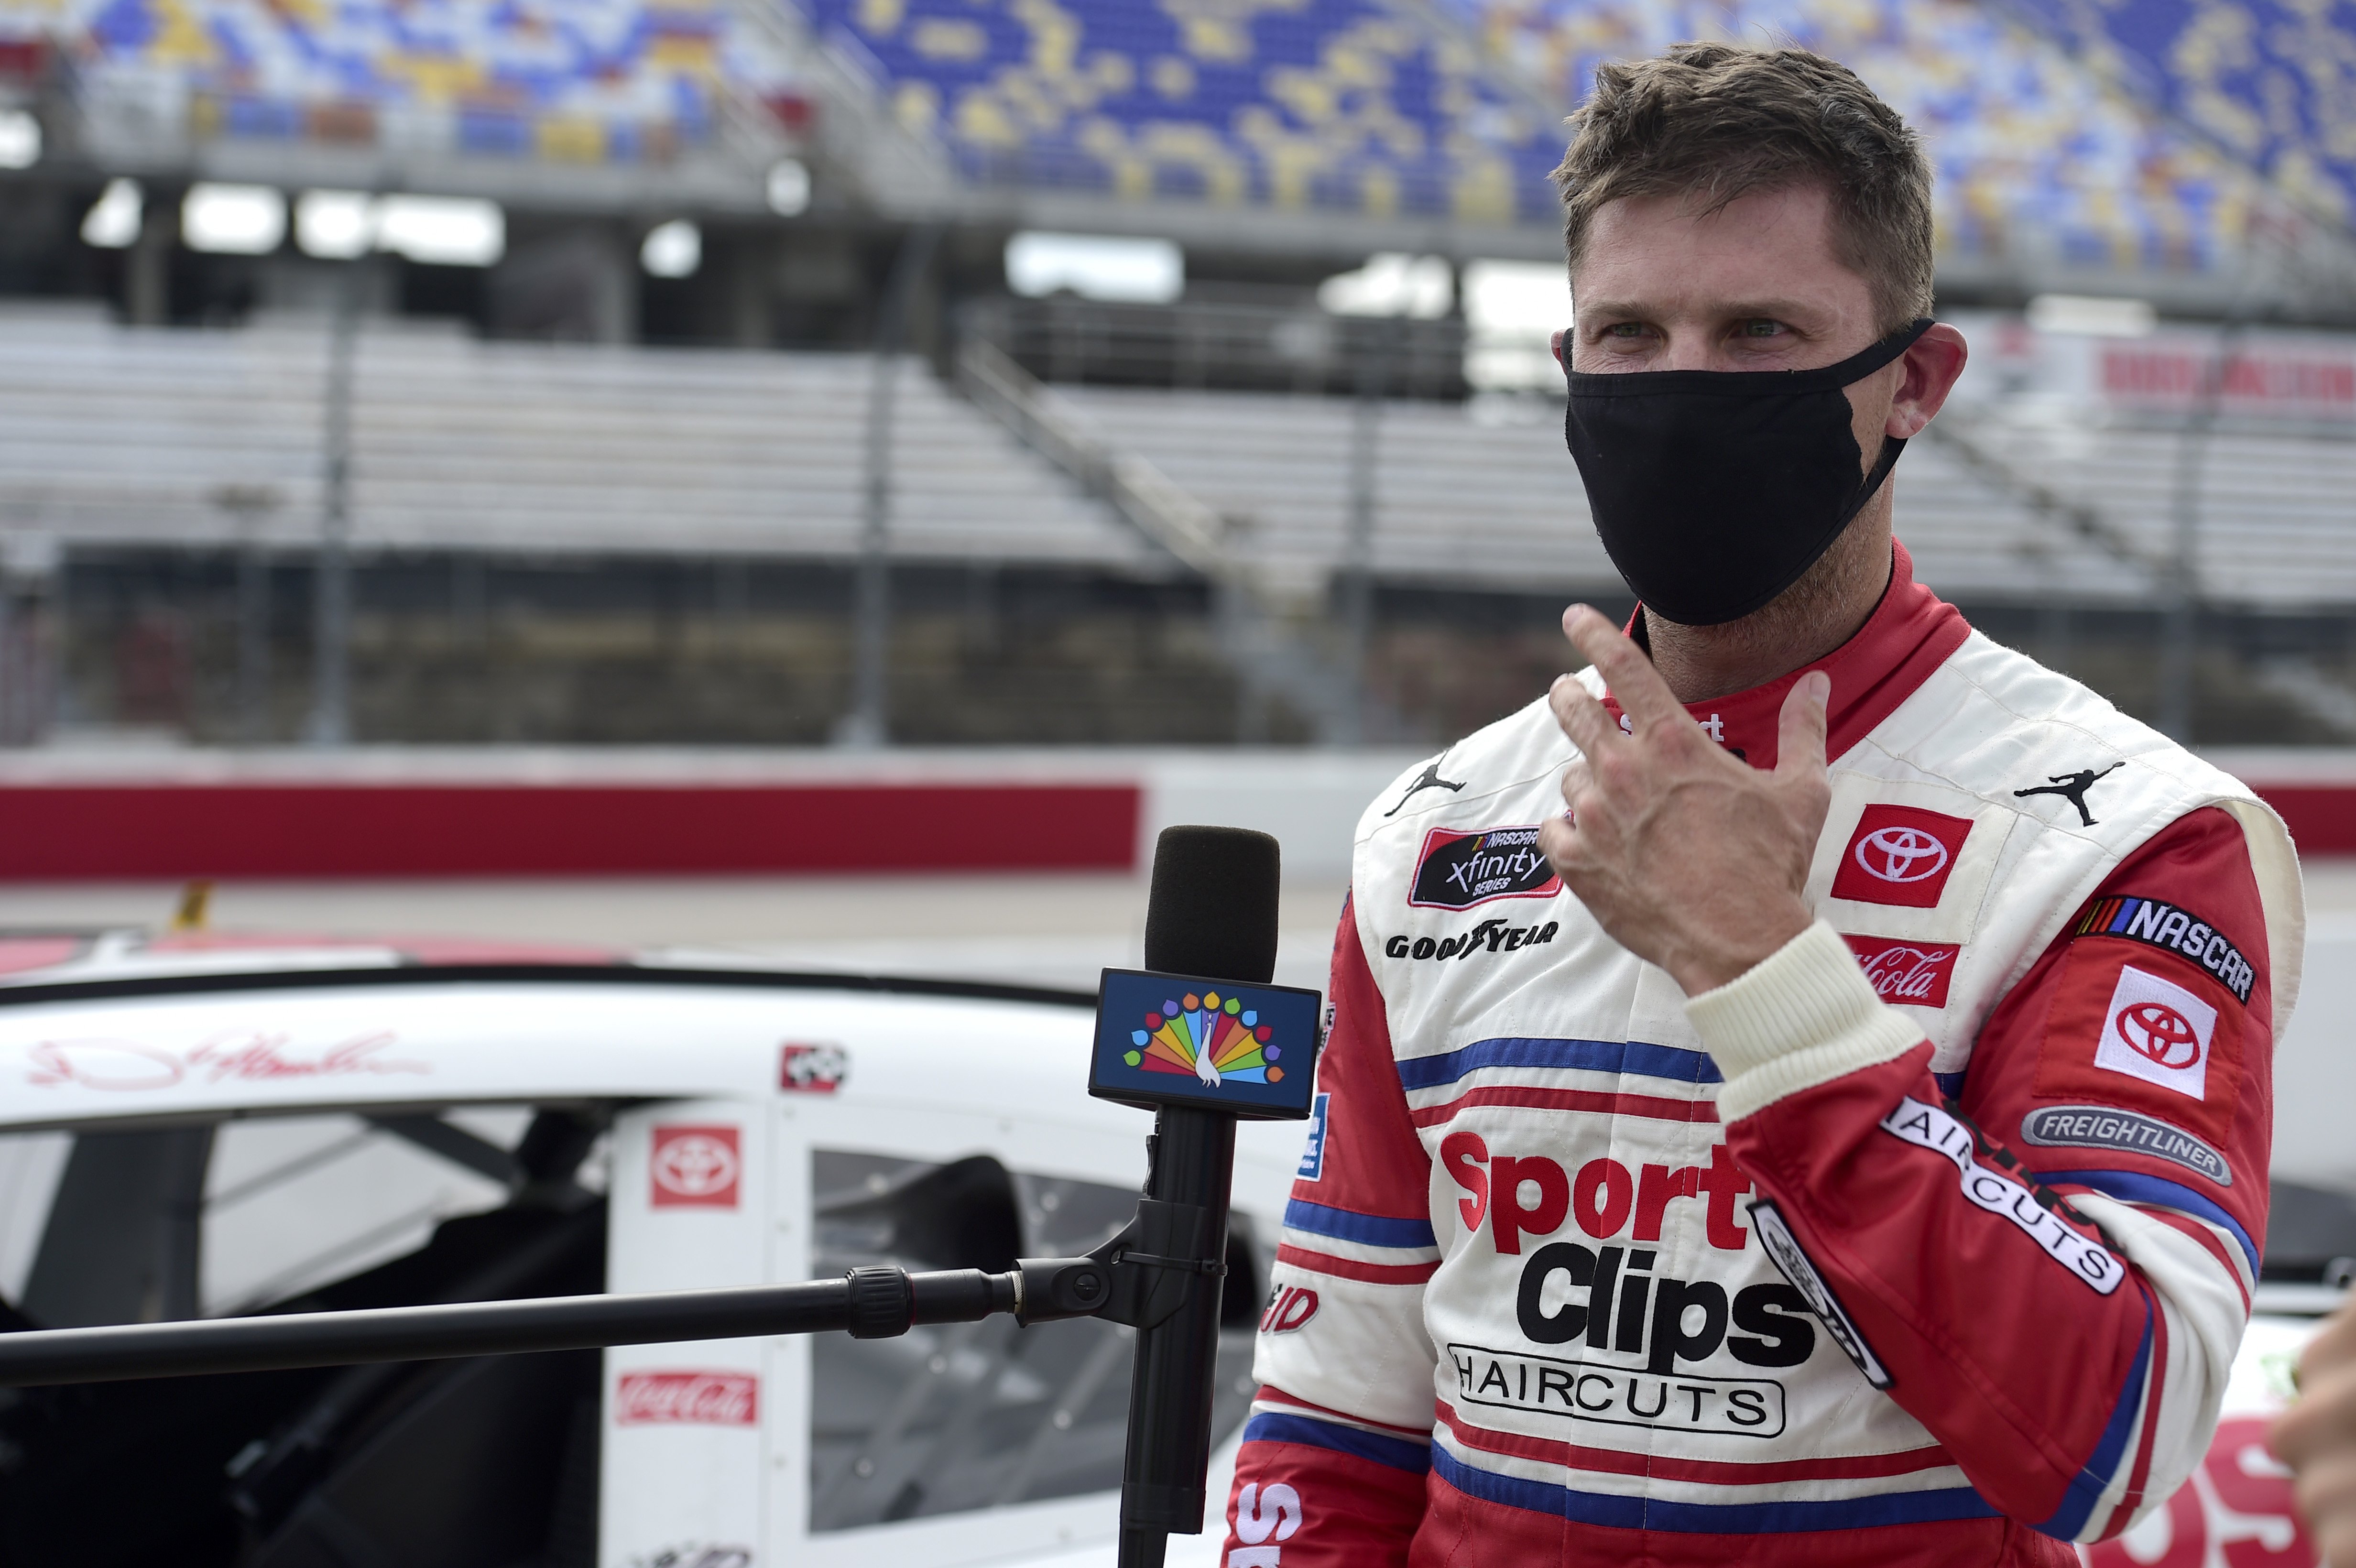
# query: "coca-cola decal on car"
[688,1398]
[1912,972]
[695,1167]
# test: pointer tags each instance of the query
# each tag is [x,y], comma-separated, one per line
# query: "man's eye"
[1624,329]
[1760,328]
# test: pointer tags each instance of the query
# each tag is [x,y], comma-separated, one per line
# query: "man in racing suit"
[1770,1158]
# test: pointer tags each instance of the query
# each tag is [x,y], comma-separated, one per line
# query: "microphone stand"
[1190,1164]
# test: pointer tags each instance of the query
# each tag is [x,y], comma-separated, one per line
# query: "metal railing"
[1269,645]
[1279,345]
[1150,499]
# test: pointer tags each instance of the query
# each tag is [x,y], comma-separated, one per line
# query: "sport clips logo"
[1605,1294]
[1457,871]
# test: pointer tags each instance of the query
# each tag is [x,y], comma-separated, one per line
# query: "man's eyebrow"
[1789,310]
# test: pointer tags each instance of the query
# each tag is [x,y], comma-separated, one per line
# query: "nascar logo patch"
[2171,930]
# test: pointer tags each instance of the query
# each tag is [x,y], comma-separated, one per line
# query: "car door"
[953,1443]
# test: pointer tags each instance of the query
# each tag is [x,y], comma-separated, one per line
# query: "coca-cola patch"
[1915,973]
[693,1398]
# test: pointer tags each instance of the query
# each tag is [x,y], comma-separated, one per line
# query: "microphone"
[1211,914]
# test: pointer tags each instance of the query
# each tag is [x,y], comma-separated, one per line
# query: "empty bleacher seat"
[114,435]
[120,435]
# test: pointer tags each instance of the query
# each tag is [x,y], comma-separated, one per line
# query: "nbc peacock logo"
[1211,1037]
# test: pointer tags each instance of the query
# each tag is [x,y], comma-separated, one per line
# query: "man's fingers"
[1581,717]
[1800,730]
[1557,840]
[2322,1422]
[2326,1491]
[2335,1347]
[1644,696]
[1575,778]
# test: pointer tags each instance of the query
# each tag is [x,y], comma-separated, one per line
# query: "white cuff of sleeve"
[1803,1016]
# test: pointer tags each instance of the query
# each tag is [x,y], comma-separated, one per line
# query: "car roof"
[67,955]
[129,1026]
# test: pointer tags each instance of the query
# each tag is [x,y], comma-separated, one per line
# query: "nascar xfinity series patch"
[1459,869]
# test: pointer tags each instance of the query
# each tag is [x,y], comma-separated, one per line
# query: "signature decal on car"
[231,1057]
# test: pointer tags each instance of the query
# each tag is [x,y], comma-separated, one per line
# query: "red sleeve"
[2133,1062]
[1331,1471]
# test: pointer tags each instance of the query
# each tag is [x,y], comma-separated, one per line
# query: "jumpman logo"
[2072,787]
[1429,779]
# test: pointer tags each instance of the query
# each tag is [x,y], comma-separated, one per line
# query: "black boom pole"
[867,1303]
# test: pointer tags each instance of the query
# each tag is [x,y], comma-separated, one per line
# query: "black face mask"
[1714,490]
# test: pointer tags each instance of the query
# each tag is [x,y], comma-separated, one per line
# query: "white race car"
[199,1126]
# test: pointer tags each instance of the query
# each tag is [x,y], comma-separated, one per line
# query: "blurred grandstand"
[462,294]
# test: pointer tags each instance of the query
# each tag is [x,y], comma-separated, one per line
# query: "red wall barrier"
[76,832]
[2321,818]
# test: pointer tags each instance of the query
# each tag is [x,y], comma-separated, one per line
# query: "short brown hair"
[1717,122]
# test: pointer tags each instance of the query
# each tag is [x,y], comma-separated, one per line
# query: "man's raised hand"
[2317,1437]
[1688,857]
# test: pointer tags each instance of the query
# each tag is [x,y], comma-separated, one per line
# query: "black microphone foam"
[1212,910]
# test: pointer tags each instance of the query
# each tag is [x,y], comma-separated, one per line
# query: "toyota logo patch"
[2156,1031]
[1900,855]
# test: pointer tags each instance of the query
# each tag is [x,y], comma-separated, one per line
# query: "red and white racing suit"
[1929,1239]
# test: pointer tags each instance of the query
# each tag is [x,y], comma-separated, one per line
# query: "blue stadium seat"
[2273,84]
[583,80]
[2034,157]
[1342,105]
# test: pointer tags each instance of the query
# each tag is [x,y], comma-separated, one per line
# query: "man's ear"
[1928,373]
[1555,342]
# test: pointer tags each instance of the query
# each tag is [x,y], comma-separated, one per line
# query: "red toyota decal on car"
[1900,855]
[695,1167]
